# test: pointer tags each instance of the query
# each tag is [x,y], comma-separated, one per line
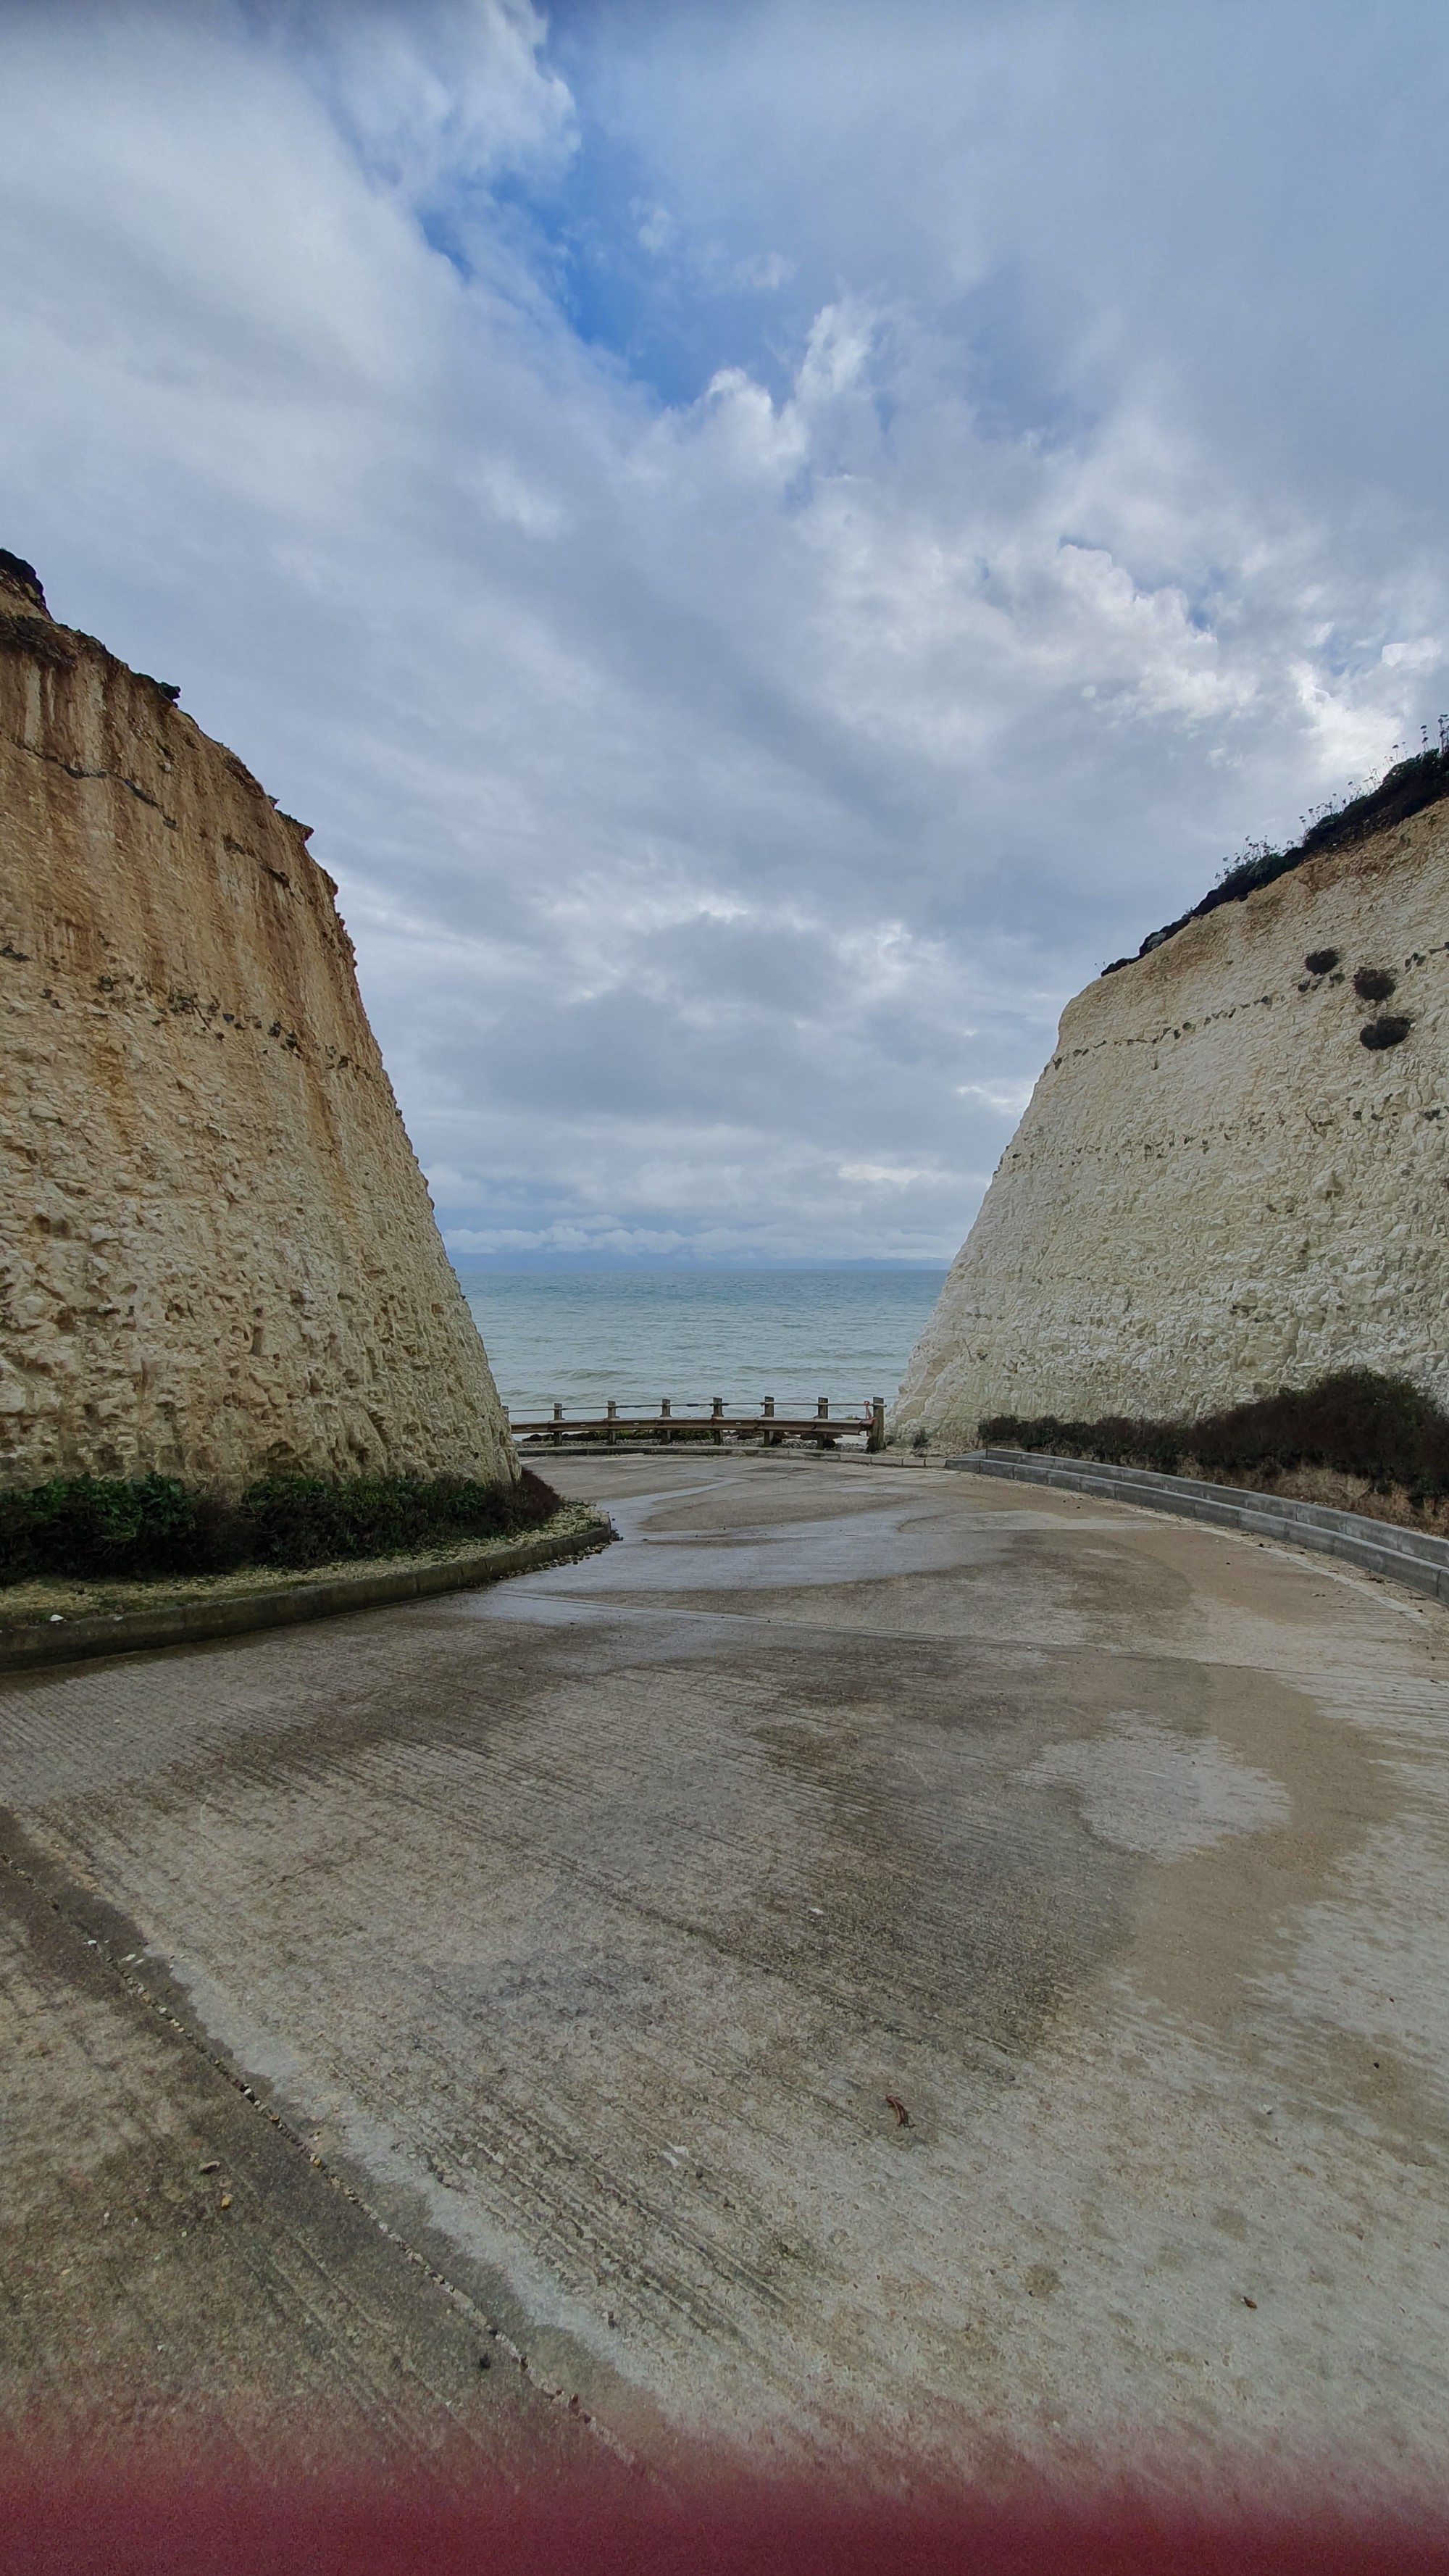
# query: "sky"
[768,540]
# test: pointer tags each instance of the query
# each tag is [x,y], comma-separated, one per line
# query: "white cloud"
[1009,1098]
[435,94]
[657,227]
[766,271]
[728,786]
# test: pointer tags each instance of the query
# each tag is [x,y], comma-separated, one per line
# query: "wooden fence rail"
[766,1425]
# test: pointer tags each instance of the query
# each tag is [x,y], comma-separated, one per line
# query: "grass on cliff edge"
[1355,1423]
[146,1528]
[1405,790]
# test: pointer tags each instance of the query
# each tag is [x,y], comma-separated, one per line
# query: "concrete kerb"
[238,1614]
[1380,1547]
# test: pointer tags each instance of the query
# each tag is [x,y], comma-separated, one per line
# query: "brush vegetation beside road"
[1355,1440]
[87,1547]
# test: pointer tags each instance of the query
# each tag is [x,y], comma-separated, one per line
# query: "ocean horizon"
[579,1337]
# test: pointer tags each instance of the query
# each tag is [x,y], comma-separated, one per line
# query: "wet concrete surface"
[869,1968]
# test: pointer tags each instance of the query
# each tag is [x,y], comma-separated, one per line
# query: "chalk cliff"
[218,1256]
[1218,1188]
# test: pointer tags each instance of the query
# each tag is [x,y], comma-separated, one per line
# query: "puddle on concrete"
[1147,1790]
[841,1549]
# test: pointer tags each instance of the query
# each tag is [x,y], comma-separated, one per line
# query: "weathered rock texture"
[1217,1189]
[218,1256]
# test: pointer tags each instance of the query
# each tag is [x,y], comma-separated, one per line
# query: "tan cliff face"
[218,1256]
[1217,1189]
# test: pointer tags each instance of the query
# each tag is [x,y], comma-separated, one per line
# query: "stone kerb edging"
[1381,1547]
[236,1615]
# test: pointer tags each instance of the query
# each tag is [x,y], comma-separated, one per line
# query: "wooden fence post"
[716,1415]
[876,1436]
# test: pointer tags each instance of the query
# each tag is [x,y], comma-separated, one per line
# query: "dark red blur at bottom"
[108,2521]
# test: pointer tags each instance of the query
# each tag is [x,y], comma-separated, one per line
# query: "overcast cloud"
[768,541]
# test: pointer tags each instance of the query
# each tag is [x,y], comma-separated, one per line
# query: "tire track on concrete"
[333,2260]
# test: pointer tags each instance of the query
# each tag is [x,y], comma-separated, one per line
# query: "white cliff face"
[1217,1189]
[218,1256]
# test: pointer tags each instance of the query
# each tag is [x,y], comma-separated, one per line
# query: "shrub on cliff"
[1356,1421]
[1406,789]
[152,1525]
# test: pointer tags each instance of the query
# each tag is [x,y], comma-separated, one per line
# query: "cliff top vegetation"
[1405,789]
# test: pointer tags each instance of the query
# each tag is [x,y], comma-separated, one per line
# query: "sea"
[578,1337]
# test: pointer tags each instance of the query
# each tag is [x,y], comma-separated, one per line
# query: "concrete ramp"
[879,1967]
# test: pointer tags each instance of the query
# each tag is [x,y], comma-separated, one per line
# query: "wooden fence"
[736,1424]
